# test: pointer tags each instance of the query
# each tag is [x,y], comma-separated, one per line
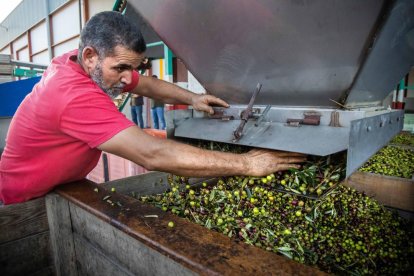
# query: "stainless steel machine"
[302,76]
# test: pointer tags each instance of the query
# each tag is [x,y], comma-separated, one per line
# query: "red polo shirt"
[53,136]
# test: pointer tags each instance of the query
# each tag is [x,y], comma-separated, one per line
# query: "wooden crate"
[25,239]
[91,237]
[390,191]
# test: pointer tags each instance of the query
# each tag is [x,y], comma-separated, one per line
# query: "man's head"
[110,48]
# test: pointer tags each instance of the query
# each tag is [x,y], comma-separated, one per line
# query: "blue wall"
[13,93]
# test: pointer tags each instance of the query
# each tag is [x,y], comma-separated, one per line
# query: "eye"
[122,68]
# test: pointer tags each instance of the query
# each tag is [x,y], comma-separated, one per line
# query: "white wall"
[6,50]
[41,58]
[96,6]
[38,37]
[24,54]
[157,68]
[66,47]
[18,44]
[194,85]
[66,22]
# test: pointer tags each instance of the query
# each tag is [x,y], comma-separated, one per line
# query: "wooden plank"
[92,261]
[155,182]
[146,184]
[26,256]
[388,190]
[6,69]
[122,251]
[21,220]
[5,59]
[45,271]
[61,236]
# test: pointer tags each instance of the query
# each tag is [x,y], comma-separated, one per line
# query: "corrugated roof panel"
[26,14]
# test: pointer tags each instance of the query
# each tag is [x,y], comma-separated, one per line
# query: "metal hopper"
[324,68]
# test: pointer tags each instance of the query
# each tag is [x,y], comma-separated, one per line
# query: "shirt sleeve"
[134,82]
[93,119]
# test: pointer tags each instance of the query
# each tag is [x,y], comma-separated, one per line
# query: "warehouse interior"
[331,80]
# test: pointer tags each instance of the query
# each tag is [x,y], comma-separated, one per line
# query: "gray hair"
[106,30]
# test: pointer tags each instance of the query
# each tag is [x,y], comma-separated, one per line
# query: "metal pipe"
[159,43]
[49,40]
[28,64]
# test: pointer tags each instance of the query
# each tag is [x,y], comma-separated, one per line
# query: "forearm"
[170,156]
[161,90]
[185,160]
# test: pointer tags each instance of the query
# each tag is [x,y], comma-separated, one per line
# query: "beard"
[97,77]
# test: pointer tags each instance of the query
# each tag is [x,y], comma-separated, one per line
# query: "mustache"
[119,86]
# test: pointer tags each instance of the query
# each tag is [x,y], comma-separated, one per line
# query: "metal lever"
[246,114]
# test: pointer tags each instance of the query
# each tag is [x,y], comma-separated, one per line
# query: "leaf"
[315,213]
[284,248]
[299,247]
[295,191]
[208,224]
[335,177]
[245,182]
[270,232]
[212,194]
[244,234]
[249,193]
[308,219]
[287,254]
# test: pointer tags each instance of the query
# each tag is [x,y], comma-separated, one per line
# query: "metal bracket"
[312,118]
[246,114]
[370,134]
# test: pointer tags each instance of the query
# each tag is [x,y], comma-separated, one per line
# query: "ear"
[90,58]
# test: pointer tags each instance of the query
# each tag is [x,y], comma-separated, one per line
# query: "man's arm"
[173,94]
[181,159]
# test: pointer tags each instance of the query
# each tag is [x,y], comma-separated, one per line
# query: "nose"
[126,77]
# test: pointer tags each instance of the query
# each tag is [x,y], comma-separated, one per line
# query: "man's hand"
[205,103]
[264,162]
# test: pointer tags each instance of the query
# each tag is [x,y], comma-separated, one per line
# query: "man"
[61,127]
[137,103]
[157,112]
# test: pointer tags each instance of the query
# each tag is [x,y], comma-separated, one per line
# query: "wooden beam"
[61,235]
[391,191]
[26,256]
[22,220]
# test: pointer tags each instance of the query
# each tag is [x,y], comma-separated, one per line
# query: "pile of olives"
[392,161]
[338,230]
[404,138]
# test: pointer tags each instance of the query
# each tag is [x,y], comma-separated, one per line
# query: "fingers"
[204,107]
[290,154]
[205,103]
[282,154]
[284,167]
[211,100]
[293,160]
[264,162]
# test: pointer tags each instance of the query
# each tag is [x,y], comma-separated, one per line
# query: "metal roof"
[27,14]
